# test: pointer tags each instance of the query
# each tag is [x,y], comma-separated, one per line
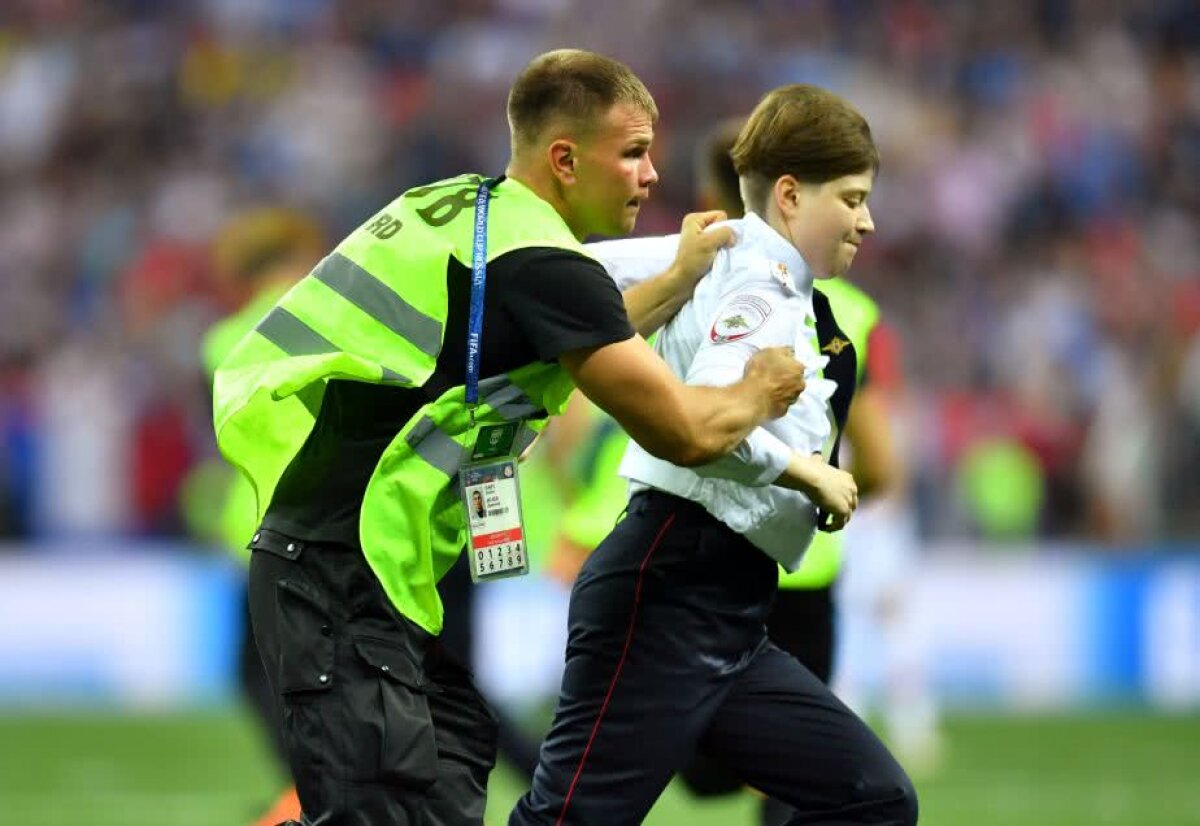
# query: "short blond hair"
[574,86]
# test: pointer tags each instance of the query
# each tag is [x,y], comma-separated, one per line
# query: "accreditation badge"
[491,493]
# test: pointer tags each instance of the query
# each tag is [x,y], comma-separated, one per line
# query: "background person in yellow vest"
[257,256]
[600,496]
[347,408]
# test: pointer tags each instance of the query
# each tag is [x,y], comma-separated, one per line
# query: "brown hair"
[803,131]
[718,180]
[573,85]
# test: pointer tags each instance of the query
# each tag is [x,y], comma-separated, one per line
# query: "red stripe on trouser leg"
[637,596]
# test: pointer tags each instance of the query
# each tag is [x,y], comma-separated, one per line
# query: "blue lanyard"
[478,281]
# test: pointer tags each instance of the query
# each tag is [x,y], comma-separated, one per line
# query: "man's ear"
[562,154]
[786,193]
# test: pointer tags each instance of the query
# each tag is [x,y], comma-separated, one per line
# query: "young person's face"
[827,222]
[612,173]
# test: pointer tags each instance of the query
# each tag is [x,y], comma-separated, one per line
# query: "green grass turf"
[211,770]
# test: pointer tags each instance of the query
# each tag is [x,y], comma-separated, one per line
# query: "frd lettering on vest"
[384,227]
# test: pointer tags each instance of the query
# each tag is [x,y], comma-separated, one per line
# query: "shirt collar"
[786,260]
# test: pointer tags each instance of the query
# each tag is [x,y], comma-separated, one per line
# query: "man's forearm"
[718,419]
[652,303]
[682,424]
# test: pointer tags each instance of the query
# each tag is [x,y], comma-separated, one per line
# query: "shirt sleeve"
[630,261]
[756,462]
[565,301]
[747,319]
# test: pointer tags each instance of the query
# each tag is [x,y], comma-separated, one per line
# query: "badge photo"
[478,510]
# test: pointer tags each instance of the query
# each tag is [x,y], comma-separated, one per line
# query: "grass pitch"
[210,769]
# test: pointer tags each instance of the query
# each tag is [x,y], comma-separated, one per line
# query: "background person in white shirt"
[667,650]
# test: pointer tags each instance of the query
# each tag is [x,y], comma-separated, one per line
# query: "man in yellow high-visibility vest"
[361,406]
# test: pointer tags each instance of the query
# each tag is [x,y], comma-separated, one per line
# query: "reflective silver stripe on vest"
[434,446]
[293,336]
[512,412]
[392,377]
[445,454]
[493,385]
[525,437]
[379,301]
[507,399]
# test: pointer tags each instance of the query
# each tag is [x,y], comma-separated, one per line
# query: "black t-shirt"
[539,303]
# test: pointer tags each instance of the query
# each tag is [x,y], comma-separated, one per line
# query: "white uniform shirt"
[758,294]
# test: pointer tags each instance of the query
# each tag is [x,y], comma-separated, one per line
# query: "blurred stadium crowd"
[1038,210]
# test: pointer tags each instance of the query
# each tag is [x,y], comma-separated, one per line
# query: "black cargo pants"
[381,726]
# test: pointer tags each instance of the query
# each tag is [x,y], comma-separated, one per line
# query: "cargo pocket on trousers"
[407,748]
[305,632]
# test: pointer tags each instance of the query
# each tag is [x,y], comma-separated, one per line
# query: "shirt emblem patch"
[835,346]
[740,317]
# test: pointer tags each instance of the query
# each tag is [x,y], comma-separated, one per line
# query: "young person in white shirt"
[667,651]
